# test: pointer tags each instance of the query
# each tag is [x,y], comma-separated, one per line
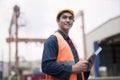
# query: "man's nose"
[68,19]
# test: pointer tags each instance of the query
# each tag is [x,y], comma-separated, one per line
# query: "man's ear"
[57,21]
[73,20]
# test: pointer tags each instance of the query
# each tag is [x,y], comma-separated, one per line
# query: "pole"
[16,43]
[9,59]
[16,15]
[15,21]
[1,66]
[10,36]
[83,35]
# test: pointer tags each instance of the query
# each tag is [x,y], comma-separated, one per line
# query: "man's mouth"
[67,24]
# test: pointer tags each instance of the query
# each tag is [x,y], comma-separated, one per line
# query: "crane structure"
[81,14]
[83,34]
[16,39]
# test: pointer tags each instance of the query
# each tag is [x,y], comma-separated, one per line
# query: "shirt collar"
[64,36]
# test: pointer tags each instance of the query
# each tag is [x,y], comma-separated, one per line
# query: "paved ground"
[105,78]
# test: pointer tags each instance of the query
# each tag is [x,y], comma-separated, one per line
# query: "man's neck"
[65,32]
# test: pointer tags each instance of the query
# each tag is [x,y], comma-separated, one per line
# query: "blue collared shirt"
[50,52]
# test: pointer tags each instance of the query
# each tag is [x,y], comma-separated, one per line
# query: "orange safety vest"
[65,56]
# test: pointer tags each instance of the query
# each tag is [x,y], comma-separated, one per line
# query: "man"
[60,60]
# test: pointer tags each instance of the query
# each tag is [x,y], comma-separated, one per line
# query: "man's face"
[66,21]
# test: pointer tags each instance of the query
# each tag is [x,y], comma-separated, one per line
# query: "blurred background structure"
[107,36]
[24,26]
[17,67]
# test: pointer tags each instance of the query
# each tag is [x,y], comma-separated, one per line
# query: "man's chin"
[67,27]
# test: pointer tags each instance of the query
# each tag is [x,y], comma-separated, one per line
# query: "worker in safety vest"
[60,60]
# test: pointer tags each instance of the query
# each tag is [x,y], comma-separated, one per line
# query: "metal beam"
[25,40]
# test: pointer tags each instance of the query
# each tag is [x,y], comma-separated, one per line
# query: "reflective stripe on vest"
[65,57]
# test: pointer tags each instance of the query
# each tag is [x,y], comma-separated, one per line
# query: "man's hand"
[81,66]
[91,62]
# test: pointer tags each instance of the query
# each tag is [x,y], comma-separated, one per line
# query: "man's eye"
[69,17]
[64,17]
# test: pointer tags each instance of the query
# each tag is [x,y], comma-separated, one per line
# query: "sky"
[39,16]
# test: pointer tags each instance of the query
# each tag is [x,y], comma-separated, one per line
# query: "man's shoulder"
[51,39]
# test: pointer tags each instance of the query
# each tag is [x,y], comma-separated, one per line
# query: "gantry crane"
[16,39]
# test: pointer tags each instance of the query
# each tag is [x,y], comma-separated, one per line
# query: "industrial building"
[107,36]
